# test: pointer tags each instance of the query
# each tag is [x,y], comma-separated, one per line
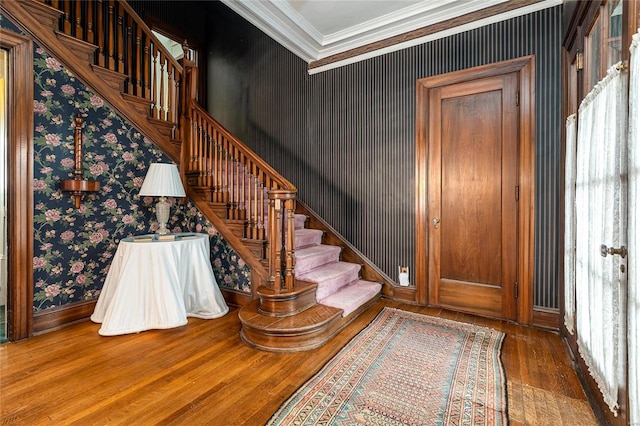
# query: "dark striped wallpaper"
[186,17]
[346,137]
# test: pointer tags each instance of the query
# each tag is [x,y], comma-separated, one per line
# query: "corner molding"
[419,23]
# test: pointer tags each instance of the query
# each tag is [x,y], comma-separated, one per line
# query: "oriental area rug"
[406,369]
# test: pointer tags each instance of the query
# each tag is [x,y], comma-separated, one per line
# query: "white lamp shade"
[162,180]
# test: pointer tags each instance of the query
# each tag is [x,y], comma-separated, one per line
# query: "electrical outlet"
[403,276]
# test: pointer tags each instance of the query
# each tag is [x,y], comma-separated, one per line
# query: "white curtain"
[634,233]
[601,212]
[570,225]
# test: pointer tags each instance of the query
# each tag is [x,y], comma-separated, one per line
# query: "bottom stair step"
[307,330]
[352,296]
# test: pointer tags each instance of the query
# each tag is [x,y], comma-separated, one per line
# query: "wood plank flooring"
[202,374]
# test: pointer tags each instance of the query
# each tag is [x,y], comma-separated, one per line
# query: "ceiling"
[318,29]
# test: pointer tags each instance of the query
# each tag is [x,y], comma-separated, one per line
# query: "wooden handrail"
[197,113]
[231,174]
[128,46]
[174,62]
[234,175]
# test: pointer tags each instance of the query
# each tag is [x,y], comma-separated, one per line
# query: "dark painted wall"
[188,18]
[346,137]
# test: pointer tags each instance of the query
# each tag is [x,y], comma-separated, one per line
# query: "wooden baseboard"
[236,298]
[55,318]
[546,318]
[403,294]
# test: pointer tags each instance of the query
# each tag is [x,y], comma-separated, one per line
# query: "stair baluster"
[111,35]
[237,177]
[78,13]
[126,45]
[99,34]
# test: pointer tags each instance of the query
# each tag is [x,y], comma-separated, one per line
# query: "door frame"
[525,66]
[19,184]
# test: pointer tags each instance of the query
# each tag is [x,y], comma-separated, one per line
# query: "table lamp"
[162,180]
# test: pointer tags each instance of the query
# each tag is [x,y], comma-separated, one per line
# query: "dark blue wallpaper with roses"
[73,247]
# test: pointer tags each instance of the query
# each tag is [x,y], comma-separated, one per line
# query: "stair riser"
[328,287]
[220,209]
[237,229]
[258,247]
[307,264]
[293,341]
[278,307]
[307,240]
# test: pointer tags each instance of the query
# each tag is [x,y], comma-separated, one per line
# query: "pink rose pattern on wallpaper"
[73,247]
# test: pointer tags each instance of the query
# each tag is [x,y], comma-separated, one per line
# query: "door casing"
[525,67]
[20,184]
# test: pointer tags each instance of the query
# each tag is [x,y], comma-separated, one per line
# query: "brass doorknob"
[436,222]
[604,251]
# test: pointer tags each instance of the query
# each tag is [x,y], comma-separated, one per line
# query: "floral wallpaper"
[73,247]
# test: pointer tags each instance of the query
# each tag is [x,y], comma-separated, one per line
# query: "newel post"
[282,206]
[189,86]
[188,92]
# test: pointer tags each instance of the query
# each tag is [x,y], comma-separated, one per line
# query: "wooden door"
[473,191]
[454,140]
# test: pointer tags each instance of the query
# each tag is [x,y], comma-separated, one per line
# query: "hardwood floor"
[202,374]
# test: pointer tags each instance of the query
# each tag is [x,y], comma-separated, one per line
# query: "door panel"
[473,156]
[471,189]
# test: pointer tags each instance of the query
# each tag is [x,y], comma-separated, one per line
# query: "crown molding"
[425,13]
[287,26]
[273,22]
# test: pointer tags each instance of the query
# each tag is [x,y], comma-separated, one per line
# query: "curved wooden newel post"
[282,205]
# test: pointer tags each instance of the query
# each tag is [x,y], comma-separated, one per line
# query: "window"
[175,47]
[614,35]
[603,43]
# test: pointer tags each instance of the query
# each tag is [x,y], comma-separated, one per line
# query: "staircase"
[329,293]
[307,281]
[338,283]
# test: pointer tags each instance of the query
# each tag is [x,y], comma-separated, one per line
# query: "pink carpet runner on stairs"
[406,369]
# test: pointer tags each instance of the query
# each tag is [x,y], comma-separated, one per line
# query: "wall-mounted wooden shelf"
[78,186]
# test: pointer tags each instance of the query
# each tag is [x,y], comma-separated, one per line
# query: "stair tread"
[307,237]
[328,271]
[310,319]
[308,231]
[331,277]
[313,257]
[352,296]
[316,250]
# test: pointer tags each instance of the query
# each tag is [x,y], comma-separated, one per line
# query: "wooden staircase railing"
[127,46]
[225,171]
[213,162]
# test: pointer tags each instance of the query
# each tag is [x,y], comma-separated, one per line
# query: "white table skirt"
[157,285]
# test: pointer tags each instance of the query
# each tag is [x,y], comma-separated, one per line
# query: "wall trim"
[20,184]
[546,318]
[56,318]
[468,22]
